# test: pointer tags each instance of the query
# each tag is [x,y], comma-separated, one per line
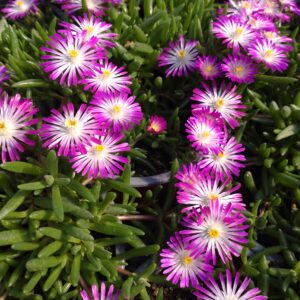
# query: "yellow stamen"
[246,5]
[239,69]
[220,154]
[205,134]
[181,53]
[220,102]
[2,126]
[89,29]
[239,31]
[213,233]
[106,73]
[268,53]
[71,122]
[208,69]
[187,260]
[99,148]
[116,108]
[19,3]
[269,35]
[213,196]
[73,53]
[155,127]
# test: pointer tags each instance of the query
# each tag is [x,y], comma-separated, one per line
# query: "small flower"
[91,28]
[205,130]
[272,9]
[226,161]
[68,131]
[104,295]
[239,68]
[260,22]
[94,6]
[268,53]
[69,57]
[17,9]
[101,159]
[107,77]
[157,124]
[234,33]
[181,265]
[230,289]
[187,174]
[4,74]
[215,230]
[116,110]
[15,121]
[204,189]
[278,40]
[208,66]
[247,7]
[223,99]
[179,56]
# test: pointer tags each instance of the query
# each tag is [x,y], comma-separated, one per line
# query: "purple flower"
[103,295]
[187,174]
[206,130]
[259,22]
[69,131]
[234,33]
[290,5]
[157,124]
[270,54]
[181,265]
[239,68]
[116,110]
[94,6]
[223,99]
[70,57]
[91,28]
[179,56]
[4,74]
[226,161]
[107,77]
[278,40]
[17,9]
[216,230]
[208,66]
[243,7]
[15,125]
[101,159]
[272,9]
[229,289]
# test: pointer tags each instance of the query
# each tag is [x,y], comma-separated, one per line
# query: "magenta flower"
[103,295]
[209,67]
[157,124]
[260,22]
[101,159]
[223,99]
[243,7]
[278,40]
[15,125]
[206,130]
[204,188]
[290,5]
[17,9]
[239,68]
[69,131]
[91,28]
[94,6]
[116,110]
[228,160]
[4,74]
[272,9]
[180,57]
[234,33]
[270,54]
[229,289]
[106,78]
[187,174]
[70,57]
[216,230]
[181,265]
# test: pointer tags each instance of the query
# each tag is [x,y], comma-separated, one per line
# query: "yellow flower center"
[155,127]
[246,5]
[208,69]
[71,122]
[239,31]
[187,260]
[181,53]
[205,134]
[19,3]
[220,102]
[73,53]
[213,233]
[116,109]
[269,35]
[2,126]
[268,53]
[220,154]
[99,148]
[213,196]
[89,29]
[106,73]
[239,69]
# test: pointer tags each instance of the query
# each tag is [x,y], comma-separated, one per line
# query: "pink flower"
[157,124]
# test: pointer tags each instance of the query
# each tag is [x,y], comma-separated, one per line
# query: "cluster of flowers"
[214,225]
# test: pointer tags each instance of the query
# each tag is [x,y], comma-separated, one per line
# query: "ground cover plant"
[149,149]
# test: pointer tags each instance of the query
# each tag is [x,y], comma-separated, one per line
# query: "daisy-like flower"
[239,68]
[216,230]
[223,99]
[260,22]
[205,189]
[205,130]
[272,9]
[101,159]
[180,56]
[116,110]
[4,74]
[17,9]
[104,294]
[15,121]
[68,131]
[278,40]
[187,174]
[234,33]
[157,124]
[107,77]
[290,5]
[230,289]
[268,53]
[91,28]
[69,57]
[95,7]
[181,265]
[227,160]
[240,7]
[208,66]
